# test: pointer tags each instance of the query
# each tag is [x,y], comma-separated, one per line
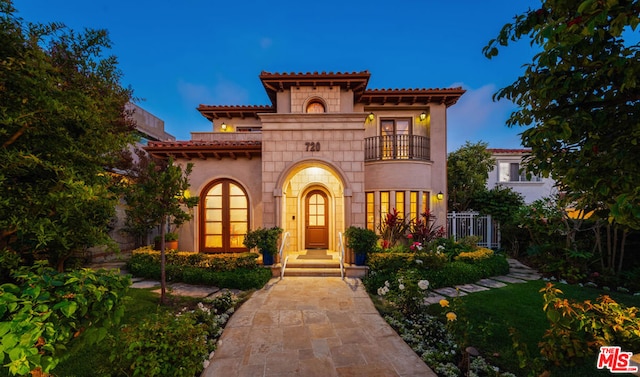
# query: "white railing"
[285,237]
[341,251]
[463,224]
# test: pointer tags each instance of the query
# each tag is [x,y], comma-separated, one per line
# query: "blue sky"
[177,55]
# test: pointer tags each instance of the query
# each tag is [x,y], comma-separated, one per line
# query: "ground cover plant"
[239,271]
[175,339]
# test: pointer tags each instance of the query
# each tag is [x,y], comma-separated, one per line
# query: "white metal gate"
[463,224]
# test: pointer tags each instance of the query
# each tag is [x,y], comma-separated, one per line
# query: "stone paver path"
[312,326]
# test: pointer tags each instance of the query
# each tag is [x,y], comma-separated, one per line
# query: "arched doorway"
[316,220]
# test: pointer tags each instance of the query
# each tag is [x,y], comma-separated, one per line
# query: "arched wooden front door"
[317,220]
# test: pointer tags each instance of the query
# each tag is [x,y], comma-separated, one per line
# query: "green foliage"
[500,202]
[48,312]
[433,267]
[361,240]
[467,172]
[64,123]
[393,229]
[424,229]
[239,272]
[579,329]
[578,99]
[160,191]
[265,239]
[168,344]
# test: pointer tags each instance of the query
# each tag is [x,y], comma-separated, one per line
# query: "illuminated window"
[400,204]
[413,205]
[396,134]
[384,205]
[371,217]
[224,217]
[425,202]
[315,107]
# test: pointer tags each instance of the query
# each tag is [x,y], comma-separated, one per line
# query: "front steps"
[315,268]
[304,268]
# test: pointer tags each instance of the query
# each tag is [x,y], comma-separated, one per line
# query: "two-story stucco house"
[510,170]
[327,153]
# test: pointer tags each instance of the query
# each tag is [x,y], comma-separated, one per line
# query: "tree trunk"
[163,275]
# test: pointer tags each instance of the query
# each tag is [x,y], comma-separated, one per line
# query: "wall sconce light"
[440,195]
[371,117]
[223,126]
[423,116]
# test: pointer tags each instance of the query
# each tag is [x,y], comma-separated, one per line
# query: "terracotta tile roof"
[205,149]
[507,151]
[447,96]
[212,112]
[275,82]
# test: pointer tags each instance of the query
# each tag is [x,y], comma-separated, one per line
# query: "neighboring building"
[149,128]
[327,153]
[510,171]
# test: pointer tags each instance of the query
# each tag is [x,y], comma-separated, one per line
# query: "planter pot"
[267,259]
[360,259]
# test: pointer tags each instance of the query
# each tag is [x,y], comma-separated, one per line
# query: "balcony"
[397,147]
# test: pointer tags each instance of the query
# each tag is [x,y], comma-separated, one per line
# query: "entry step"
[302,271]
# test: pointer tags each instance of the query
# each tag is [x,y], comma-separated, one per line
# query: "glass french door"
[225,217]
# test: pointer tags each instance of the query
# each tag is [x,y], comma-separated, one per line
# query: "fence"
[463,224]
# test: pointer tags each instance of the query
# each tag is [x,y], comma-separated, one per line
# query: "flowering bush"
[472,256]
[429,338]
[407,293]
[578,329]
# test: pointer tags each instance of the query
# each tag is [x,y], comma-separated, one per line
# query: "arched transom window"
[315,107]
[224,217]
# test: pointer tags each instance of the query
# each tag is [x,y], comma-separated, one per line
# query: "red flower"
[409,236]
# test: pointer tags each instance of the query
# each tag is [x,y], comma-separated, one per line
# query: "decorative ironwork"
[397,147]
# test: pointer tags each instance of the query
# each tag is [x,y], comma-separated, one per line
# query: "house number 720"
[312,147]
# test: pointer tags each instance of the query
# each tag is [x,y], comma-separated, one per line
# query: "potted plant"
[265,240]
[361,241]
[170,239]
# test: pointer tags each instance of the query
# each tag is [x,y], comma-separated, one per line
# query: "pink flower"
[409,236]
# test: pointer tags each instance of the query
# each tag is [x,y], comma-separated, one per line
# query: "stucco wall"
[247,173]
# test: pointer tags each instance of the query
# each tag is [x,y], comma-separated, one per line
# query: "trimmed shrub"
[240,271]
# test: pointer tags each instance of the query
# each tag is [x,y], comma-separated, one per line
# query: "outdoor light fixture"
[223,126]
[371,117]
[440,195]
[423,116]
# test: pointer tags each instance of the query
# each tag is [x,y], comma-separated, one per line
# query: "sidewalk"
[312,326]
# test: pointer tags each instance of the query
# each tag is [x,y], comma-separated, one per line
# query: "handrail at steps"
[285,236]
[341,251]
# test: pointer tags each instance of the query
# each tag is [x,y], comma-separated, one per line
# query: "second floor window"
[513,172]
[395,138]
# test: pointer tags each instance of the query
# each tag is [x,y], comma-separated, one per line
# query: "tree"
[157,196]
[467,173]
[63,124]
[580,101]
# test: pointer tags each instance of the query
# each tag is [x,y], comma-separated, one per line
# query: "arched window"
[224,214]
[315,106]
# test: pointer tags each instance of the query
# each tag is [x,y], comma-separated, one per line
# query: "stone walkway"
[319,326]
[312,326]
[518,273]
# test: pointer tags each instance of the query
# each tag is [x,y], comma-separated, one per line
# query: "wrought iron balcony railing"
[397,147]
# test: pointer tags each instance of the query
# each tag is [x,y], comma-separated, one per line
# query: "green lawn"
[492,313]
